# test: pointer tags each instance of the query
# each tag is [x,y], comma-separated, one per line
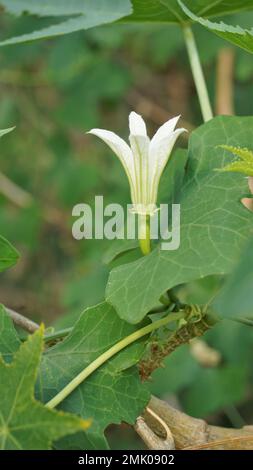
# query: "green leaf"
[236,297]
[81,441]
[94,13]
[172,178]
[26,424]
[169,11]
[245,165]
[9,340]
[113,393]
[8,254]
[44,7]
[239,36]
[117,248]
[214,224]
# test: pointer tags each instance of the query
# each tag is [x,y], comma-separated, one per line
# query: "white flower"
[144,160]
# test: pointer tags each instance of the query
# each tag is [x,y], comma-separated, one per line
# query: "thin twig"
[14,193]
[23,322]
[225,81]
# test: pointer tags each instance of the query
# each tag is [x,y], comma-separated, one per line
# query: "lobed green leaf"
[8,254]
[26,424]
[235,34]
[90,13]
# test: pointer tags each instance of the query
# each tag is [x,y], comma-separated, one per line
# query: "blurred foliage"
[54,96]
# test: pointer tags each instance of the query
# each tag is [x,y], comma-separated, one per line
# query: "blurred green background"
[53,92]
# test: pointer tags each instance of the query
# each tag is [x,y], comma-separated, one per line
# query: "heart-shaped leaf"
[214,223]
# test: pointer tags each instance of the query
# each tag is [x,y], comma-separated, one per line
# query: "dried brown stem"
[194,433]
[14,193]
[23,322]
[152,440]
[225,81]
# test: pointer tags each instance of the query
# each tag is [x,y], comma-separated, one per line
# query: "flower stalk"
[144,234]
[198,74]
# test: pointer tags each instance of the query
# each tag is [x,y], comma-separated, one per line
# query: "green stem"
[71,386]
[244,321]
[144,234]
[161,309]
[57,335]
[197,73]
[164,299]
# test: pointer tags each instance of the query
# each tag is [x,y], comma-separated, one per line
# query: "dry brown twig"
[14,193]
[22,321]
[193,433]
[161,438]
[225,81]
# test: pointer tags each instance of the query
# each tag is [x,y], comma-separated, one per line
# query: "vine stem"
[59,334]
[198,74]
[71,386]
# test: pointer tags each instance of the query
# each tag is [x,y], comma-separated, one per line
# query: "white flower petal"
[159,154]
[140,149]
[118,145]
[164,131]
[137,125]
[122,150]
